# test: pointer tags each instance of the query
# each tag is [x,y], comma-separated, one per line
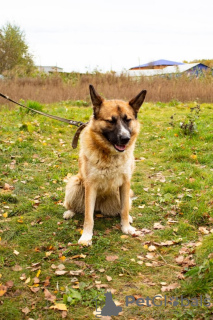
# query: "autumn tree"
[14,51]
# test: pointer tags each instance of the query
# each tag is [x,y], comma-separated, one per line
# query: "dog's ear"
[137,102]
[96,100]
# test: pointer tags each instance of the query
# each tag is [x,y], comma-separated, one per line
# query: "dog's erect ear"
[96,100]
[137,102]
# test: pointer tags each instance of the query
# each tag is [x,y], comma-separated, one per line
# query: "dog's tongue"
[120,148]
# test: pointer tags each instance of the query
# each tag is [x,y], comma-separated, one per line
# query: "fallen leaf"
[17,268]
[60,272]
[49,296]
[152,248]
[83,256]
[109,278]
[179,259]
[25,310]
[34,289]
[64,314]
[16,252]
[27,281]
[111,258]
[75,272]
[60,267]
[203,230]
[36,280]
[47,281]
[3,290]
[158,225]
[9,284]
[124,236]
[170,287]
[150,255]
[59,306]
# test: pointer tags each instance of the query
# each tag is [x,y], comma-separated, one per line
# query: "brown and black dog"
[106,163]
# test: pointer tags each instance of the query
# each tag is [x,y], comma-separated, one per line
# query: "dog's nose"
[124,139]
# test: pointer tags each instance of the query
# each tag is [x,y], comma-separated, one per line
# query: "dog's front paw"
[68,214]
[130,219]
[128,229]
[85,239]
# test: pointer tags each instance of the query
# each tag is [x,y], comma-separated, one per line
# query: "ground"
[44,274]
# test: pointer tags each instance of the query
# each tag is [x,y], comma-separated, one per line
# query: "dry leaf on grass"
[59,306]
[152,248]
[170,287]
[9,284]
[49,296]
[185,262]
[111,258]
[203,230]
[83,256]
[158,226]
[25,310]
[17,268]
[61,267]
[34,289]
[75,272]
[3,290]
[60,272]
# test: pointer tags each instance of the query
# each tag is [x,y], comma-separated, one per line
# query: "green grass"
[172,182]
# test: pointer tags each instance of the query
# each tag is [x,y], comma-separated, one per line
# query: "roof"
[167,70]
[160,62]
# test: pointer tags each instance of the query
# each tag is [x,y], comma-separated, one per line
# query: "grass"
[172,182]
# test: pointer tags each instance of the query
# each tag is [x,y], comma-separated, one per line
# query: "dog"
[106,164]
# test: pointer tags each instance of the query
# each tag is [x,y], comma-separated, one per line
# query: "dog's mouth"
[120,148]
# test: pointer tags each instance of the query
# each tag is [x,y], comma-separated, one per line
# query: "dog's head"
[116,120]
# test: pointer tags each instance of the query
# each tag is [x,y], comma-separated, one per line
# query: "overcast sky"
[82,35]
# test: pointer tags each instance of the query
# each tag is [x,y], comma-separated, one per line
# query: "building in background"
[162,68]
[158,64]
[49,69]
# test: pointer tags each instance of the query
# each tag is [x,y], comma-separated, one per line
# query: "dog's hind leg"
[74,197]
[68,214]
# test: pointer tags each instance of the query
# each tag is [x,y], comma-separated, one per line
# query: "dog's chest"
[111,174]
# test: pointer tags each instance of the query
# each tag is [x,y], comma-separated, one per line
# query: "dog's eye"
[127,120]
[112,121]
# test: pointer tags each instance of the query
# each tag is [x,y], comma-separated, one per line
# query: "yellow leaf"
[80,231]
[62,258]
[124,236]
[59,306]
[20,220]
[48,253]
[193,156]
[27,281]
[5,215]
[38,273]
[145,246]
[3,290]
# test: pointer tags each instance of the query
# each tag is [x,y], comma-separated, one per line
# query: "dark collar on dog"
[79,124]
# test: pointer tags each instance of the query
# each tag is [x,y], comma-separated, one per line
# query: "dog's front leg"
[90,198]
[124,197]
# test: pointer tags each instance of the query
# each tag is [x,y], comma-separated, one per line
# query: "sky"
[84,35]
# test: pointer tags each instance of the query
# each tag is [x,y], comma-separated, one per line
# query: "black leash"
[79,124]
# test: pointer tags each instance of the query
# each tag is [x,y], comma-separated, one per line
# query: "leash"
[79,124]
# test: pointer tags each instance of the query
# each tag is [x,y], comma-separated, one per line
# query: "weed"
[189,124]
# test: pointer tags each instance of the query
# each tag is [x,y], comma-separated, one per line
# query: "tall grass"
[57,88]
